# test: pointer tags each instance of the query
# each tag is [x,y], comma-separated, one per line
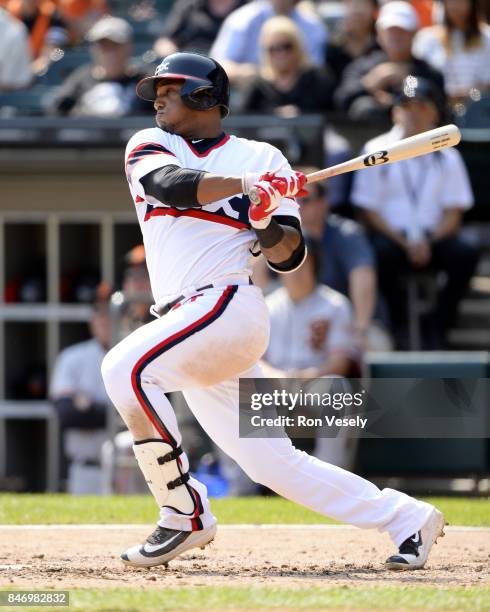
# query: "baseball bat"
[420,144]
[414,146]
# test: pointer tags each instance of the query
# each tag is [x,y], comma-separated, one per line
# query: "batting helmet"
[205,81]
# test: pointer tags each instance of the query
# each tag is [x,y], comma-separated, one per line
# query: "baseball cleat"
[414,551]
[163,545]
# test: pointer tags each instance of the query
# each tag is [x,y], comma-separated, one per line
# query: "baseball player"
[190,183]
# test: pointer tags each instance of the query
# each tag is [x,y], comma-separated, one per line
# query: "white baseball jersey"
[192,247]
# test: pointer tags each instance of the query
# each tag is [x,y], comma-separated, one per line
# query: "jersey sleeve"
[457,192]
[144,153]
[367,188]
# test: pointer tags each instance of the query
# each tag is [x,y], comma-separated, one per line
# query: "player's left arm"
[282,243]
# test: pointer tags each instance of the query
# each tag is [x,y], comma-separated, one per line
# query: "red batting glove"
[288,182]
[265,199]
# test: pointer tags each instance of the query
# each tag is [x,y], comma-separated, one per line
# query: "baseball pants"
[202,347]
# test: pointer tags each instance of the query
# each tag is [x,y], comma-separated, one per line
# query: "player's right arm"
[153,169]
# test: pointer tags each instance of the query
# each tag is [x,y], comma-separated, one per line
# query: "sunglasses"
[288,46]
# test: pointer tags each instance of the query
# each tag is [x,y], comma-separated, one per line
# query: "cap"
[113,28]
[399,14]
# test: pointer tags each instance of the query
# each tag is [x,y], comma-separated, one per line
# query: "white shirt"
[462,68]
[15,53]
[189,248]
[411,195]
[77,370]
[239,35]
[304,334]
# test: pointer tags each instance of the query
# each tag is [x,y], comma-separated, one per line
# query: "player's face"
[172,115]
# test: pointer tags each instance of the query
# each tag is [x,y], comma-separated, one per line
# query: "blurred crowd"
[283,56]
[411,64]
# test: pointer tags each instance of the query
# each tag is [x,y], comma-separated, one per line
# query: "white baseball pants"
[201,347]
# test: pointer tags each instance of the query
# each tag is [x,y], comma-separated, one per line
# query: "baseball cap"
[399,14]
[419,88]
[113,28]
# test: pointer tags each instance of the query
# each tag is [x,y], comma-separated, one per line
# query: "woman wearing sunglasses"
[288,85]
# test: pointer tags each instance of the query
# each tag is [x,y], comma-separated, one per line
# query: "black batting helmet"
[205,81]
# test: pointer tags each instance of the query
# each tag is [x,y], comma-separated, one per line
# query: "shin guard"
[162,468]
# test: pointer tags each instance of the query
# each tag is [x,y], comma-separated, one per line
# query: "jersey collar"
[203,146]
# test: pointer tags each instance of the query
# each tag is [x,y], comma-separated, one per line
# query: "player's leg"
[192,345]
[320,486]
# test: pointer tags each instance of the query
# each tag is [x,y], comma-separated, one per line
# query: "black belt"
[168,307]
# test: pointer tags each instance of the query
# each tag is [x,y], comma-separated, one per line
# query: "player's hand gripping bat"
[420,144]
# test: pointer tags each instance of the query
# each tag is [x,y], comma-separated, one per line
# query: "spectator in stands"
[415,209]
[237,44]
[81,15]
[347,258]
[312,337]
[369,84]
[15,54]
[79,398]
[459,48]
[137,291]
[356,37]
[287,85]
[106,87]
[193,25]
[311,326]
[46,28]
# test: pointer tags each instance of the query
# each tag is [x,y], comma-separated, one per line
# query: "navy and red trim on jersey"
[144,150]
[195,214]
[159,350]
[204,146]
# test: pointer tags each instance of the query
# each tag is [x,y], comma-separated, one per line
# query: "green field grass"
[56,509]
[21,509]
[260,598]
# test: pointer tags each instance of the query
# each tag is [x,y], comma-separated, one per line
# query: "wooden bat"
[420,144]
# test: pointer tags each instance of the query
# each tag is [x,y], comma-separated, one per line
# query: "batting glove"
[288,182]
[266,199]
[248,180]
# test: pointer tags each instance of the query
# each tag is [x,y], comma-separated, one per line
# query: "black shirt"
[192,26]
[312,93]
[338,58]
[351,86]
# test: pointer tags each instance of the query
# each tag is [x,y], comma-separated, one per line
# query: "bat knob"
[253,196]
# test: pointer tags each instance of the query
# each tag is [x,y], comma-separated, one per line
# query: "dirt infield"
[288,557]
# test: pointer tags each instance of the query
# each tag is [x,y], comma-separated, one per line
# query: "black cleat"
[166,544]
[414,551]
